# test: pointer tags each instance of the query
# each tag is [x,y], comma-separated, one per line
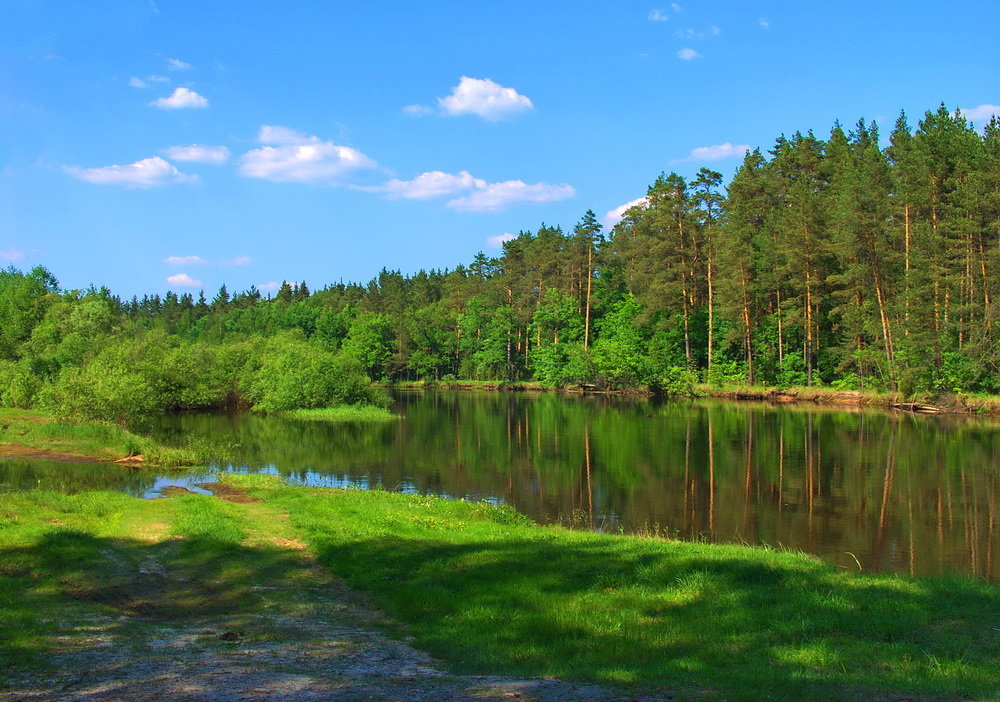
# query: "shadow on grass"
[71,591]
[697,619]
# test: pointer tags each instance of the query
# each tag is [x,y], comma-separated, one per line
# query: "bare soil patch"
[32,452]
[228,493]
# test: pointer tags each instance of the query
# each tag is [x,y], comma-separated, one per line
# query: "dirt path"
[306,637]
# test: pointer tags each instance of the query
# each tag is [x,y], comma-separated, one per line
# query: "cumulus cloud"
[183,280]
[178,65]
[477,195]
[283,136]
[238,261]
[137,83]
[688,54]
[500,196]
[717,152]
[418,110]
[764,23]
[613,217]
[198,153]
[11,255]
[497,241]
[430,185]
[147,173]
[477,96]
[268,287]
[301,158]
[181,99]
[184,261]
[983,113]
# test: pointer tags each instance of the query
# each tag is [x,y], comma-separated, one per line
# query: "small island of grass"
[342,413]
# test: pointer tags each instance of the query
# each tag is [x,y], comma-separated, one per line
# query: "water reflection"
[886,492]
[892,492]
[59,476]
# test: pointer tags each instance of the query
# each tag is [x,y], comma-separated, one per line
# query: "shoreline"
[956,404]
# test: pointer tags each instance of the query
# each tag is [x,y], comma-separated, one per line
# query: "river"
[870,490]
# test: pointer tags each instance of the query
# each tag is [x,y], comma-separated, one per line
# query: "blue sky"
[181,145]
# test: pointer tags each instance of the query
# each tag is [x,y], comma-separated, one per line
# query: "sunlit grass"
[491,593]
[342,413]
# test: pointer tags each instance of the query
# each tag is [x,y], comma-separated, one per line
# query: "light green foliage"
[297,375]
[369,340]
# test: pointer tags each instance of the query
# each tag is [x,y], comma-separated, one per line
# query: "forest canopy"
[837,261]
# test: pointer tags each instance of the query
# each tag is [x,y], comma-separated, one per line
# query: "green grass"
[342,413]
[488,592]
[93,440]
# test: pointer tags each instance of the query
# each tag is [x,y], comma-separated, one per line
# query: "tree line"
[835,261]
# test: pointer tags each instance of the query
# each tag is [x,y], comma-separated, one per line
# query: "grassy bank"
[342,413]
[488,592]
[31,434]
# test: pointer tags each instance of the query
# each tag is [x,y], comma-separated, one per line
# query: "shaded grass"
[103,564]
[481,588]
[93,440]
[342,413]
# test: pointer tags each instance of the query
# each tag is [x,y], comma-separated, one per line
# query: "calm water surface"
[891,492]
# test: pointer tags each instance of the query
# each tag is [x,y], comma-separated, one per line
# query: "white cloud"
[712,31]
[658,16]
[418,110]
[688,54]
[148,172]
[283,136]
[268,287]
[137,82]
[498,240]
[478,96]
[301,158]
[983,113]
[184,261]
[717,152]
[430,185]
[198,153]
[764,23]
[11,255]
[479,195]
[238,261]
[177,65]
[183,280]
[181,99]
[613,217]
[499,196]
